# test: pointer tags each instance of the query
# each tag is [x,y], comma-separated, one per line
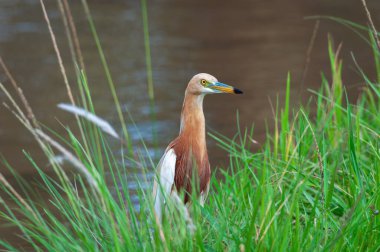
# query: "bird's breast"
[192,166]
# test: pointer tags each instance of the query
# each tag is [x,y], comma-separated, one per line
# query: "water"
[249,44]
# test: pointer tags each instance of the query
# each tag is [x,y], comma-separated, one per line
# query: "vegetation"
[314,185]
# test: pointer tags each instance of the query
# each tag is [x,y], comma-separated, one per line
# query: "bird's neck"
[193,121]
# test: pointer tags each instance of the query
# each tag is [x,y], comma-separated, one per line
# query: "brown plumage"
[186,156]
[190,147]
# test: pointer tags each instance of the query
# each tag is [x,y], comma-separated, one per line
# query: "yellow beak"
[224,88]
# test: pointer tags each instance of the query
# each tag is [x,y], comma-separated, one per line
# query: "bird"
[186,156]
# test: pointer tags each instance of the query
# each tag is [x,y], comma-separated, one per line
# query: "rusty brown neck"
[193,124]
[190,147]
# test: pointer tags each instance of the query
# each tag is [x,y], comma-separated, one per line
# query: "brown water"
[250,44]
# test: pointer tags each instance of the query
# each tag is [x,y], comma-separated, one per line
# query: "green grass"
[314,184]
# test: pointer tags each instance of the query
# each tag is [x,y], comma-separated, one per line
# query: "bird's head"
[204,83]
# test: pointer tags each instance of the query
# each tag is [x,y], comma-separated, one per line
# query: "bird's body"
[186,156]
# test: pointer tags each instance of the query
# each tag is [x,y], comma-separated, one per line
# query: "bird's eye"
[203,82]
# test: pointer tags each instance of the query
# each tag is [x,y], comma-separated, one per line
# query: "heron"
[186,156]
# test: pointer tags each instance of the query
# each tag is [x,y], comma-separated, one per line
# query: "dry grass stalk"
[19,113]
[308,53]
[40,136]
[375,34]
[160,231]
[68,33]
[100,122]
[74,33]
[71,34]
[62,68]
[25,102]
[71,158]
[5,182]
[55,45]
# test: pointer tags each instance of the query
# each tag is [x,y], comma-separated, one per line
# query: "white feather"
[164,181]
[101,123]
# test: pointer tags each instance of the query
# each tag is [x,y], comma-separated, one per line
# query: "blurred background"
[249,44]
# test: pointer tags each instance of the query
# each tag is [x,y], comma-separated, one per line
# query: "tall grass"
[314,185]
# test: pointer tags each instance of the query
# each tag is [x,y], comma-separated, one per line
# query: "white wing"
[164,181]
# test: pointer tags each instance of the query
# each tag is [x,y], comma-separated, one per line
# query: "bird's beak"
[219,87]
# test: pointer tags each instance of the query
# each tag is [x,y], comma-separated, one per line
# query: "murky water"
[250,44]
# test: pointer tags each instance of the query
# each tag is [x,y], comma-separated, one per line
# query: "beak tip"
[237,91]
